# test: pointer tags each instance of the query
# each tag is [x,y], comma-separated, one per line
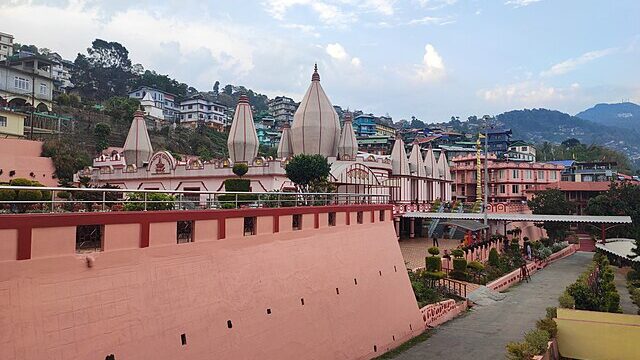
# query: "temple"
[418,178]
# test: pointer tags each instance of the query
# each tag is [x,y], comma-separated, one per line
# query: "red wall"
[135,302]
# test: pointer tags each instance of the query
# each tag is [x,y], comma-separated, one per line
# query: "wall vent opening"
[355,281]
[89,238]
[375,348]
[393,337]
[337,291]
[395,269]
[380,272]
[302,301]
[110,357]
[183,339]
[268,311]
[229,324]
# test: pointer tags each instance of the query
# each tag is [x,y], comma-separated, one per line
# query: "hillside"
[624,115]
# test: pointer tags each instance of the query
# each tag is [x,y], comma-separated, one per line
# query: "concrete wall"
[327,293]
[23,157]
[598,336]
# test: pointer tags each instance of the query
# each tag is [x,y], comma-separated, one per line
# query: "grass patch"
[406,345]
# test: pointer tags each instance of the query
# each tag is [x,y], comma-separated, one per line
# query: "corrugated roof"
[523,217]
[470,225]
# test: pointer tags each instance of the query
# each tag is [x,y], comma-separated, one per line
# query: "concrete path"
[484,331]
[628,307]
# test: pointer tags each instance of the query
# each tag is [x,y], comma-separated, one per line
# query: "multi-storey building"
[11,124]
[199,110]
[26,82]
[6,46]
[61,72]
[282,108]
[498,141]
[588,171]
[521,151]
[385,130]
[162,100]
[508,180]
[364,125]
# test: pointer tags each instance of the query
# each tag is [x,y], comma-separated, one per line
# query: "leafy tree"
[66,156]
[240,169]
[552,202]
[216,88]
[101,133]
[228,89]
[105,71]
[571,142]
[267,151]
[163,82]
[121,109]
[304,170]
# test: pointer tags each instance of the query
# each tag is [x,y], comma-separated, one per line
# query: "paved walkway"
[415,250]
[628,307]
[484,332]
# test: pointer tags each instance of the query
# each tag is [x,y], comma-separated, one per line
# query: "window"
[296,222]
[189,116]
[185,231]
[190,107]
[500,174]
[3,121]
[21,83]
[540,174]
[138,94]
[44,89]
[201,107]
[89,238]
[249,226]
[360,217]
[515,189]
[527,174]
[332,219]
[515,174]
[502,188]
[554,175]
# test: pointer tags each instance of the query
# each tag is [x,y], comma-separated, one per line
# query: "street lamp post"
[486,170]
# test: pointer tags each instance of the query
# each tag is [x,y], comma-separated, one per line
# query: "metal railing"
[19,199]
[453,287]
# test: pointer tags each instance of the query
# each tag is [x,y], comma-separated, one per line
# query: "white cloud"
[384,7]
[520,3]
[432,67]
[306,29]
[436,4]
[529,93]
[571,64]
[432,20]
[328,13]
[337,52]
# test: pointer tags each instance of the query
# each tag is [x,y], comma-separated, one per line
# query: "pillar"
[603,235]
[412,228]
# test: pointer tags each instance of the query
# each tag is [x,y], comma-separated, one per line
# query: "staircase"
[586,244]
[435,222]
[453,229]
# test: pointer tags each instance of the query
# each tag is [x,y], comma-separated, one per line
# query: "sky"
[431,59]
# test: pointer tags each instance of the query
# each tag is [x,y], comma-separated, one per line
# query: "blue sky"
[428,58]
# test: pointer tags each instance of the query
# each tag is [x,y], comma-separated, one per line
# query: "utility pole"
[486,168]
[33,100]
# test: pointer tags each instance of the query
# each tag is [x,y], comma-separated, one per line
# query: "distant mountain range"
[624,115]
[540,125]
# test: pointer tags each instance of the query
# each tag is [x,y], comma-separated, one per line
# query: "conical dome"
[137,147]
[348,144]
[243,139]
[415,161]
[399,163]
[430,163]
[284,147]
[316,128]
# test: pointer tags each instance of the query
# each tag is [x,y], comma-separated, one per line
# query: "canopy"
[470,225]
[522,217]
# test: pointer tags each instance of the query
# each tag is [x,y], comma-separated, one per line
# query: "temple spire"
[137,147]
[348,144]
[243,139]
[399,163]
[285,149]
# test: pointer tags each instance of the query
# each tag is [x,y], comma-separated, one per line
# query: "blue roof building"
[364,125]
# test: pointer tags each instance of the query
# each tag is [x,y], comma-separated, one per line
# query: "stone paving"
[415,250]
[484,331]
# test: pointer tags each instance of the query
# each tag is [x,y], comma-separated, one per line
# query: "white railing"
[18,199]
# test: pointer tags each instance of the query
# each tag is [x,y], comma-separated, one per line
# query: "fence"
[15,199]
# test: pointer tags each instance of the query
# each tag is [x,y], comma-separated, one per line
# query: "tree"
[105,71]
[164,83]
[101,134]
[216,88]
[121,109]
[569,143]
[66,156]
[303,170]
[552,202]
[228,89]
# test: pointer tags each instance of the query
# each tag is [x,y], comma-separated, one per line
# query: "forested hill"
[624,115]
[540,125]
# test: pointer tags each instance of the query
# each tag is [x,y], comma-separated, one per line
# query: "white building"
[198,109]
[282,108]
[521,151]
[6,46]
[162,99]
[61,71]
[26,81]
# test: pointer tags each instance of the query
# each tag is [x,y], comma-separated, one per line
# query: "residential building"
[508,180]
[498,141]
[377,144]
[579,193]
[364,125]
[162,99]
[453,151]
[199,110]
[521,151]
[268,137]
[383,129]
[61,72]
[588,171]
[282,109]
[26,82]
[6,46]
[11,124]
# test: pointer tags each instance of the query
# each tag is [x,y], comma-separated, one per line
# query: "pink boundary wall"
[514,277]
[135,300]
[441,312]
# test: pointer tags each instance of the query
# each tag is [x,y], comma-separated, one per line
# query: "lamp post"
[486,174]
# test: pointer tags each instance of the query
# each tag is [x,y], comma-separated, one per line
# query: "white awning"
[621,247]
[522,217]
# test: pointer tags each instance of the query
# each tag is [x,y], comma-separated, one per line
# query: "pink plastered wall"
[136,303]
[23,157]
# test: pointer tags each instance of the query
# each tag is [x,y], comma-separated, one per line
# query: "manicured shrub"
[433,251]
[29,195]
[237,185]
[548,325]
[21,182]
[7,195]
[538,340]
[475,266]
[459,271]
[155,201]
[494,258]
[63,195]
[566,301]
[457,253]
[433,263]
[633,275]
[552,312]
[240,169]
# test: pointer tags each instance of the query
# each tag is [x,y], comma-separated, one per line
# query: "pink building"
[21,158]
[508,180]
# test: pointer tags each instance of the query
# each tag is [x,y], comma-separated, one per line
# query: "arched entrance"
[42,107]
[17,103]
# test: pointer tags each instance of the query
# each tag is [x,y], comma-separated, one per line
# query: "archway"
[42,107]
[16,103]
